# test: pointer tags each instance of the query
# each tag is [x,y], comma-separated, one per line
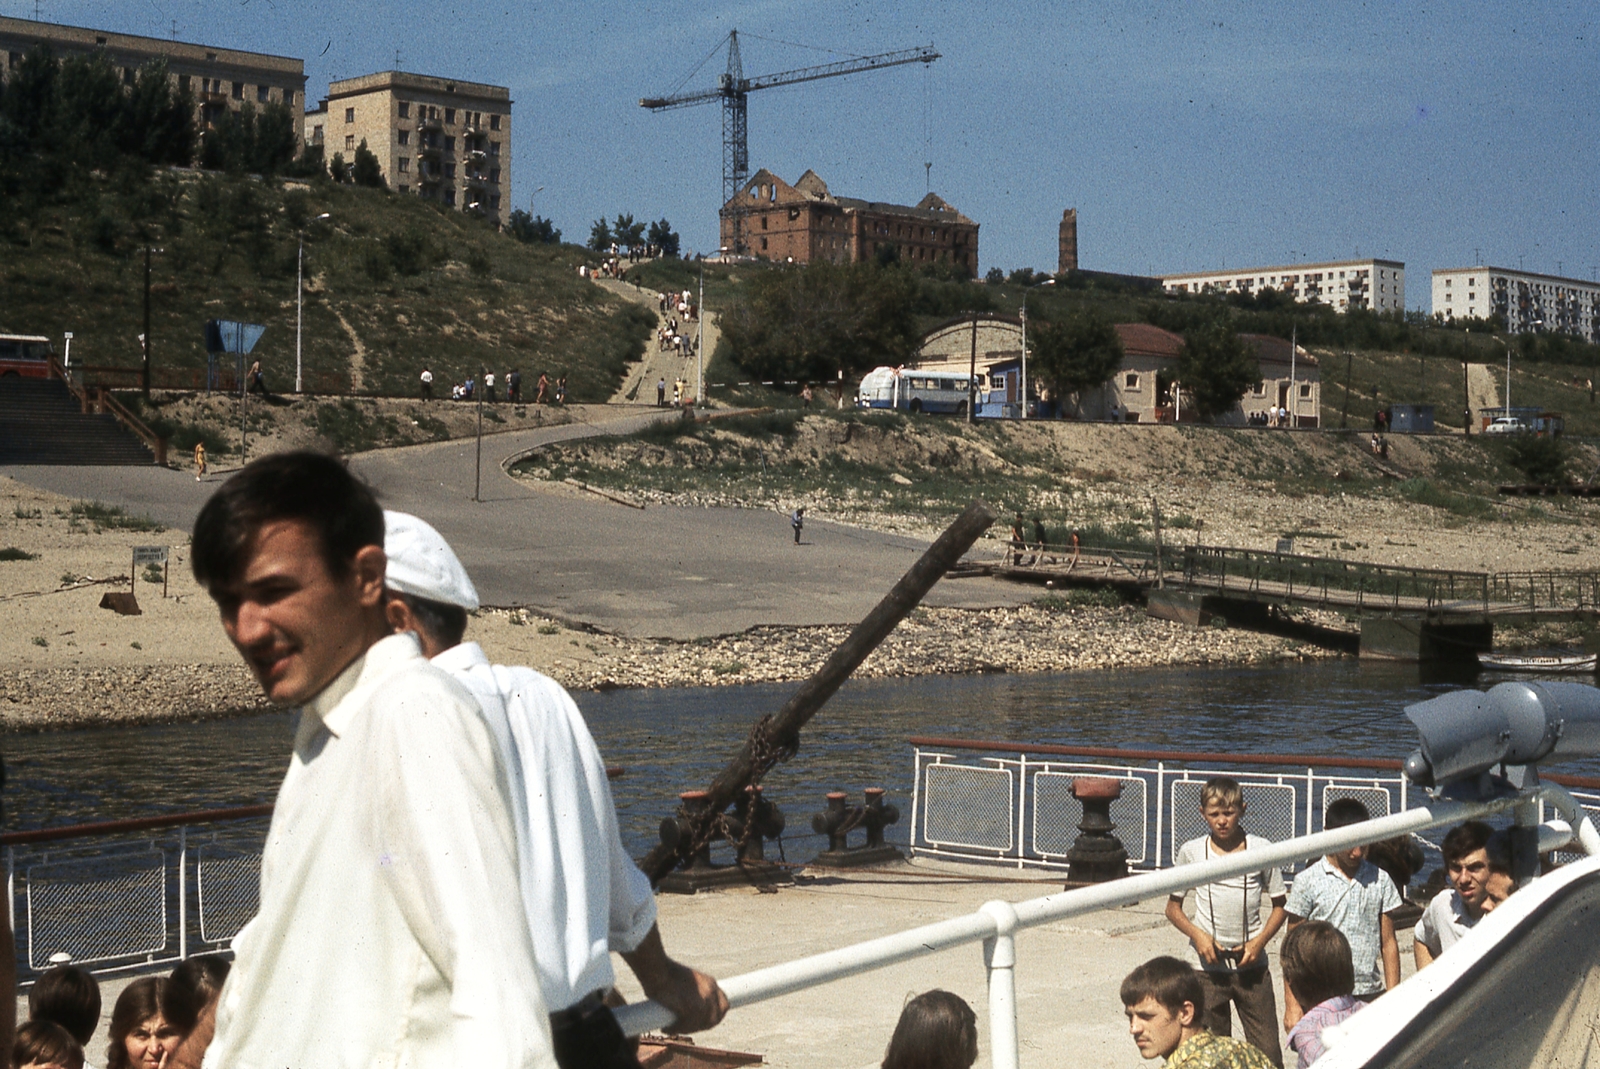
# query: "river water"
[674,739]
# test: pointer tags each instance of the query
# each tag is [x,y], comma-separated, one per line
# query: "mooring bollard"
[763,819]
[839,820]
[1096,855]
[675,829]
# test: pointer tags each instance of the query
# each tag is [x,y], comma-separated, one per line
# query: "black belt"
[586,1035]
[579,1010]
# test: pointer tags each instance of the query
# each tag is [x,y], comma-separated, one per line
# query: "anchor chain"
[765,754]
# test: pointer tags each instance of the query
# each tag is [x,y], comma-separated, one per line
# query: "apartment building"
[219,78]
[1377,285]
[439,138]
[773,220]
[1528,303]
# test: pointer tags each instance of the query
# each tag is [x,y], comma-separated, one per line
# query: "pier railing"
[129,894]
[1329,581]
[1546,591]
[1011,803]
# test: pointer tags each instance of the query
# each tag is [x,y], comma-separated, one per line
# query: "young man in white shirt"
[583,894]
[389,930]
[1454,911]
[1227,933]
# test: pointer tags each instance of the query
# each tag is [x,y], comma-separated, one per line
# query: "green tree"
[30,99]
[626,232]
[1077,352]
[532,229]
[338,170]
[366,171]
[663,237]
[600,235]
[1215,368]
[157,124]
[1542,460]
[995,276]
[809,322]
[88,110]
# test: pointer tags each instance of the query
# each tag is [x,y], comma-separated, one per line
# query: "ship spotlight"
[1466,734]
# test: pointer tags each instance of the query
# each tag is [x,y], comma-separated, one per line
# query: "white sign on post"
[149,555]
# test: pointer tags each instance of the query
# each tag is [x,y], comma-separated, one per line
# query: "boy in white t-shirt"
[1455,910]
[1227,933]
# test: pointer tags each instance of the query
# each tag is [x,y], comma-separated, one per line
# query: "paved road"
[661,572]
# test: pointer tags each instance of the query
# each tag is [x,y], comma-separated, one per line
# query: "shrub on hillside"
[1542,460]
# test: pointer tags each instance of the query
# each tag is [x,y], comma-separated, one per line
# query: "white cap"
[422,564]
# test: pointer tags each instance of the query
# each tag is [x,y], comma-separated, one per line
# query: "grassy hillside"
[392,283]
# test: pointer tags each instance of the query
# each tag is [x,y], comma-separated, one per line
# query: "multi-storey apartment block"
[219,78]
[439,138]
[1378,285]
[1528,303]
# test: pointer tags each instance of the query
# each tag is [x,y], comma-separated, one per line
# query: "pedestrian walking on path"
[797,520]
[427,384]
[661,392]
[199,460]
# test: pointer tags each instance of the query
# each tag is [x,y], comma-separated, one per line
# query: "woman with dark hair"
[937,1030]
[140,1036]
[193,986]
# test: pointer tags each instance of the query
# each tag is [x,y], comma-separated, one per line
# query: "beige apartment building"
[1377,285]
[439,138]
[219,78]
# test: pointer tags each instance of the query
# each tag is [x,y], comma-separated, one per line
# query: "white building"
[1528,303]
[1378,285]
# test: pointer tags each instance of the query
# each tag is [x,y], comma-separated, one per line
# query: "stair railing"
[100,399]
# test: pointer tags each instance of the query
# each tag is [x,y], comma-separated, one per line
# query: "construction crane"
[734,90]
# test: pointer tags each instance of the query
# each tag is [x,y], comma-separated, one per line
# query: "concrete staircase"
[42,423]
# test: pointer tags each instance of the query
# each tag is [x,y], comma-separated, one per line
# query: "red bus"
[27,355]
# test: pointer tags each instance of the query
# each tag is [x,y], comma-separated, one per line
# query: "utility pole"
[477,479]
[144,374]
[1349,365]
[1466,387]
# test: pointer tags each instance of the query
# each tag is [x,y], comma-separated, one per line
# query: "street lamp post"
[299,300]
[144,339]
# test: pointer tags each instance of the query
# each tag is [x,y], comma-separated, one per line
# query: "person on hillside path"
[426,379]
[561,390]
[661,392]
[199,460]
[797,520]
[544,387]
[514,386]
[488,387]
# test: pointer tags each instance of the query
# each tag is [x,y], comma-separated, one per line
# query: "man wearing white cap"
[583,895]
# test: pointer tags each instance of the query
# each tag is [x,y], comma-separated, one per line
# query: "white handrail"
[996,922]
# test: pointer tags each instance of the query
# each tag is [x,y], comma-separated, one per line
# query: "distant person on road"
[426,378]
[1038,538]
[805,394]
[488,387]
[256,382]
[661,392]
[797,520]
[1358,898]
[1018,543]
[583,895]
[561,390]
[1164,1003]
[514,386]
[1227,932]
[544,388]
[937,1030]
[389,930]
[1316,967]
[199,460]
[1453,912]
[677,391]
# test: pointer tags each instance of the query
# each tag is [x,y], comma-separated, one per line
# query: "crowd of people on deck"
[444,882]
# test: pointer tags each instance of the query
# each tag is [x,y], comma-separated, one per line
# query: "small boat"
[1516,662]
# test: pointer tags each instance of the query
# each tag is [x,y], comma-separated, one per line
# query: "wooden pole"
[784,729]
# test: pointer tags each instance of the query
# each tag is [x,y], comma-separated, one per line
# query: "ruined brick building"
[804,222]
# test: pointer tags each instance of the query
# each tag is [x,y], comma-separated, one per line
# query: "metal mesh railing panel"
[1056,815]
[229,887]
[1377,799]
[969,807]
[97,909]
[1270,810]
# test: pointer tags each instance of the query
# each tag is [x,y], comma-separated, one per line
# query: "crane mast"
[734,89]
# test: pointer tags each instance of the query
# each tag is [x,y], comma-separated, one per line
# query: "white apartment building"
[1378,285]
[1529,303]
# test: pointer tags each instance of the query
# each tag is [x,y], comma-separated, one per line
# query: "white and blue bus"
[917,391]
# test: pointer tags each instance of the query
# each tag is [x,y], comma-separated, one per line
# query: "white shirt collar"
[381,657]
[462,657]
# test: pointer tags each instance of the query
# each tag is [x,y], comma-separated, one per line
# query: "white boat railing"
[995,924]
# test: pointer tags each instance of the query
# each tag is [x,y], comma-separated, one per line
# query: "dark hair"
[1498,849]
[1316,963]
[1344,812]
[1170,982]
[139,1001]
[68,996]
[1465,839]
[937,1030]
[312,487]
[445,624]
[46,1041]
[191,988]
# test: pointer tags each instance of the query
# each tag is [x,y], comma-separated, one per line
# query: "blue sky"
[1188,135]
